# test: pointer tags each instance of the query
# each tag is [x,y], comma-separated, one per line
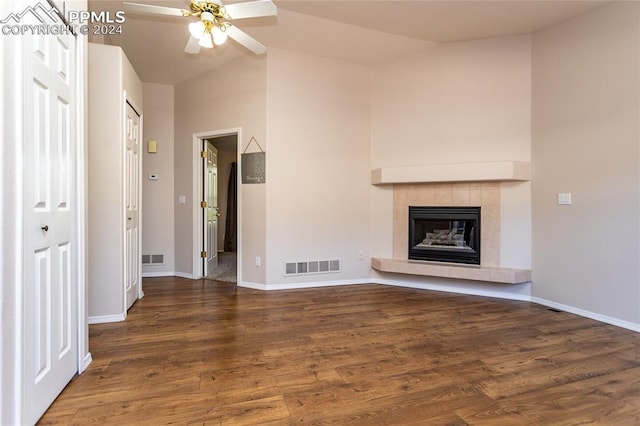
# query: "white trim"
[19,244]
[185,275]
[293,286]
[86,360]
[393,283]
[452,288]
[588,314]
[122,173]
[140,206]
[137,109]
[254,286]
[11,227]
[197,178]
[160,274]
[84,354]
[102,319]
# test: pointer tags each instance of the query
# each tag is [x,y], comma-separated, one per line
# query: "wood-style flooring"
[205,352]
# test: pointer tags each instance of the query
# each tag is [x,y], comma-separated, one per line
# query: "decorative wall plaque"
[253,164]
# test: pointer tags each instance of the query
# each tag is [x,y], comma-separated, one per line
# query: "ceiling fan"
[213,25]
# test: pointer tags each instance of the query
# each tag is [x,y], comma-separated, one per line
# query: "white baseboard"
[168,274]
[85,362]
[254,286]
[592,315]
[184,275]
[159,274]
[102,319]
[293,286]
[454,289]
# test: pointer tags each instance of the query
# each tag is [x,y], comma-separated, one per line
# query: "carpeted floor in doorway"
[226,270]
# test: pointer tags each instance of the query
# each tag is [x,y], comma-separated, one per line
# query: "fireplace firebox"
[445,234]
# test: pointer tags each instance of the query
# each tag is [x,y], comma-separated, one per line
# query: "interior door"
[212,210]
[50,332]
[133,259]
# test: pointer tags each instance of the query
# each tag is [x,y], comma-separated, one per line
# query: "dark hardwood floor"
[204,352]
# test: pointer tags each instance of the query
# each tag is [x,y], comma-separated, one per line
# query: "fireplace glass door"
[445,234]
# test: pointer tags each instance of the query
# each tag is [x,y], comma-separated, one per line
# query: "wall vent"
[312,267]
[153,259]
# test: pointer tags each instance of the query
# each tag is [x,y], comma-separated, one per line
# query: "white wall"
[157,196]
[318,165]
[586,126]
[456,103]
[110,73]
[231,96]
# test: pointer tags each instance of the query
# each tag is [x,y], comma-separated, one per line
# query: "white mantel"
[458,172]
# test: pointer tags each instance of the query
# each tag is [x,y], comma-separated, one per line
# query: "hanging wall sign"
[253,164]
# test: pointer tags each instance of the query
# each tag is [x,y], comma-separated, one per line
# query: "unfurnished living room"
[320,212]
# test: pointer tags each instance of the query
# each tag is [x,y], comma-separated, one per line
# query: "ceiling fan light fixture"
[206,40]
[219,35]
[196,29]
[207,16]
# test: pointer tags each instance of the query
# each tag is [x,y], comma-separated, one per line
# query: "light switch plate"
[182,199]
[564,198]
[153,176]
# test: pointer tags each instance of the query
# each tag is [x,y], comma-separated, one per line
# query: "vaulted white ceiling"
[363,31]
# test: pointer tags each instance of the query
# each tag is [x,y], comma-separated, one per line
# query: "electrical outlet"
[258,261]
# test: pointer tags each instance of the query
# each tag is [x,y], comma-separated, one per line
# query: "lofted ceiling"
[363,31]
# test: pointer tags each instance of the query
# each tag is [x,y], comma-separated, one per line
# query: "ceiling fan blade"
[152,9]
[252,9]
[246,40]
[192,46]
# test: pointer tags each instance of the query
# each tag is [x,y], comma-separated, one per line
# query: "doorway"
[217,223]
[221,213]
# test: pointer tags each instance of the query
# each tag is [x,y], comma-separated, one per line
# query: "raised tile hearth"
[486,274]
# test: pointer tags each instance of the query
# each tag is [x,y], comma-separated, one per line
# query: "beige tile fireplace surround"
[485,194]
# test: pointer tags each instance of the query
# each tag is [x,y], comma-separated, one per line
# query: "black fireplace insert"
[445,234]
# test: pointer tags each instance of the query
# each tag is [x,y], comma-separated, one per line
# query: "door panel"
[50,259]
[132,182]
[212,211]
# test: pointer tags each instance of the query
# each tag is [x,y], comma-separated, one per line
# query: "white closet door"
[50,332]
[133,258]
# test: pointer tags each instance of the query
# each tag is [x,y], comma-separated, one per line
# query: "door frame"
[198,179]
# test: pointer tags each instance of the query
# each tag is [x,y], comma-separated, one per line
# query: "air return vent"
[153,259]
[312,267]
